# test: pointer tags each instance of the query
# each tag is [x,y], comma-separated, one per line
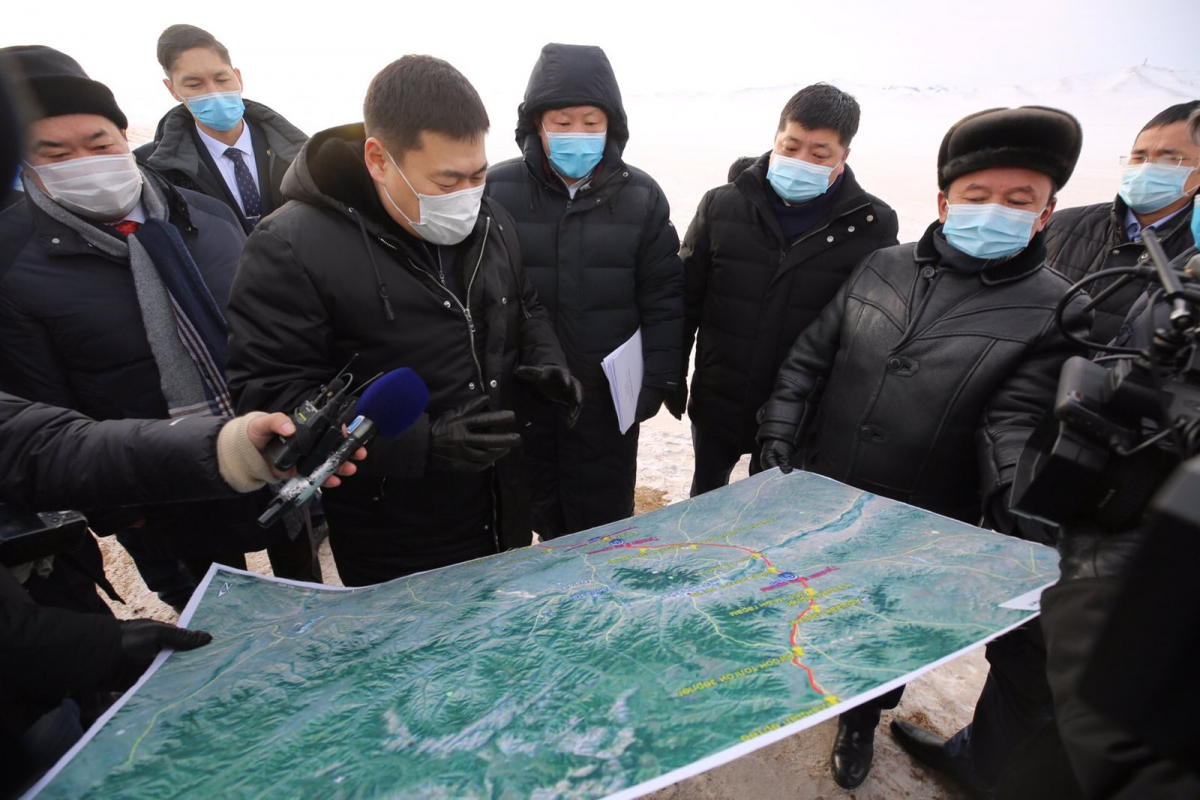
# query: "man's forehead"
[71,128]
[797,132]
[1004,180]
[577,110]
[1172,137]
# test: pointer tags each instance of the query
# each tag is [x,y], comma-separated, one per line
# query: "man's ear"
[171,88]
[125,134]
[241,83]
[375,157]
[1044,217]
[943,206]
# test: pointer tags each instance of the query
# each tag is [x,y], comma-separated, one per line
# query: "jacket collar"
[175,145]
[63,241]
[752,183]
[1022,265]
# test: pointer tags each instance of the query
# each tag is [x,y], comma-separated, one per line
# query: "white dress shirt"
[225,163]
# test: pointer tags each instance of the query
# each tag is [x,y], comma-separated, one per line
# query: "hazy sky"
[313,61]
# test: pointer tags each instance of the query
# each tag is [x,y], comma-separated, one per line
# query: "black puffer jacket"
[922,382]
[58,458]
[175,152]
[750,293]
[329,275]
[607,261]
[1084,240]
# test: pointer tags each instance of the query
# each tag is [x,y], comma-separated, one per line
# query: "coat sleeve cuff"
[240,462]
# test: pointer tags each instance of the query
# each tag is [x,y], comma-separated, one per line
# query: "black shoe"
[926,747]
[853,749]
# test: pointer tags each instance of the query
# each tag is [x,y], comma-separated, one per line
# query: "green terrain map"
[612,661]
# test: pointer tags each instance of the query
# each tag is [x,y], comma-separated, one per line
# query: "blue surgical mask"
[1149,187]
[988,231]
[221,111]
[1196,222]
[575,155]
[796,180]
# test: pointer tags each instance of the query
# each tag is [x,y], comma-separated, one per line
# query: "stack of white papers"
[623,367]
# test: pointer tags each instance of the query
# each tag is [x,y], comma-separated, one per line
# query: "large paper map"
[608,662]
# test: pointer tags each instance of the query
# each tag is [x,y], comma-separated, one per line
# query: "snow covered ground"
[687,140]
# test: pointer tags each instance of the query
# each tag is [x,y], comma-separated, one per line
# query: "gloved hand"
[456,443]
[676,400]
[1095,553]
[142,639]
[650,399]
[556,385]
[777,453]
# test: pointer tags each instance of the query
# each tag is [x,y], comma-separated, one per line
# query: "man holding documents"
[597,242]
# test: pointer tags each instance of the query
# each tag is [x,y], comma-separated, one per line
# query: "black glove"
[142,639]
[650,400]
[777,453]
[556,385]
[456,444]
[676,400]
[1094,553]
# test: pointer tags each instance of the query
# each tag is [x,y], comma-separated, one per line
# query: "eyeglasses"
[1161,161]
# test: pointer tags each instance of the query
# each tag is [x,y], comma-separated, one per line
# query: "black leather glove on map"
[458,443]
[777,453]
[650,400]
[556,385]
[676,400]
[142,639]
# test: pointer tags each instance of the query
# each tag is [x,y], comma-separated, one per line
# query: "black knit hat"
[1042,139]
[57,85]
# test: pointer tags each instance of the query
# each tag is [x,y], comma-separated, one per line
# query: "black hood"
[573,75]
[329,172]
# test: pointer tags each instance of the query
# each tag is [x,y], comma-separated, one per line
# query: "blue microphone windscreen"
[394,401]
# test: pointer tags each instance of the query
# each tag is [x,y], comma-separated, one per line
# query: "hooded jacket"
[751,292]
[1084,240]
[329,277]
[922,382]
[178,154]
[606,262]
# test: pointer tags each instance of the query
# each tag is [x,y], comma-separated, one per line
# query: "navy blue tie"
[251,201]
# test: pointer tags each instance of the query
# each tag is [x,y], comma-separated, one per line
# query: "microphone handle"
[299,489]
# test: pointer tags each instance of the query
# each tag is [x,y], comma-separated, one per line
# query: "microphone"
[387,408]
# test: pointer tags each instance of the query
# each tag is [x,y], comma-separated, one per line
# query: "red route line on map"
[795,623]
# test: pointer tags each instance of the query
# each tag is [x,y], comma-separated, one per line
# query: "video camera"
[26,536]
[1123,422]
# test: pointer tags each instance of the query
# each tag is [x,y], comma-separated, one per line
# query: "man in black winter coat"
[598,245]
[1158,184]
[214,142]
[387,251]
[55,458]
[924,377]
[112,292]
[763,256]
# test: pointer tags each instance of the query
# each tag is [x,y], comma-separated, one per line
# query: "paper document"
[623,367]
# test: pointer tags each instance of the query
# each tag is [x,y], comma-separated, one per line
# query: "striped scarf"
[184,326]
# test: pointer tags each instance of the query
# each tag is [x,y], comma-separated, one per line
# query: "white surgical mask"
[445,218]
[103,188]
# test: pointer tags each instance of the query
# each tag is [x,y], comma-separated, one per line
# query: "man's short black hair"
[823,106]
[1169,116]
[422,93]
[178,39]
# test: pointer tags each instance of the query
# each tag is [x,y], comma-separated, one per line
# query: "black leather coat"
[922,382]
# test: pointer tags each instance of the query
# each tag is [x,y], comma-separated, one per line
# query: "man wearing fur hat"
[925,375]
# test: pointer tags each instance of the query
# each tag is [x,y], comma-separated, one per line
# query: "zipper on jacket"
[465,309]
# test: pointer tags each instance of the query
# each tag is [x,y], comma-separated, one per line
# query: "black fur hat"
[57,85]
[1042,139]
